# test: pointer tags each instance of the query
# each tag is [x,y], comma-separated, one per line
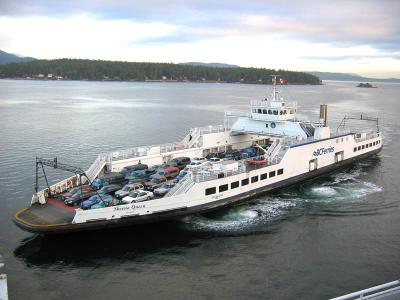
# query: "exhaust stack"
[323,113]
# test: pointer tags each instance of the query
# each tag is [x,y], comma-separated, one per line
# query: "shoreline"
[151,81]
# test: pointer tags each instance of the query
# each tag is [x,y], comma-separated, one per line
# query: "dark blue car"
[87,204]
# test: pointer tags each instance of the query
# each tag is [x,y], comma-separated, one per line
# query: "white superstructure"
[294,150]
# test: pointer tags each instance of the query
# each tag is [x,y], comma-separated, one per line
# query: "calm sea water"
[320,239]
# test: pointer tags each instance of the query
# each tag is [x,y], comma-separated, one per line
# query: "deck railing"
[163,148]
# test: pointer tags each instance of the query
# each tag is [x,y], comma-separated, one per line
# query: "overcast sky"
[340,36]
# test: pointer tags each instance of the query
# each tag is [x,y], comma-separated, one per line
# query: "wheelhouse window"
[264,176]
[234,184]
[280,171]
[211,191]
[245,181]
[254,179]
[223,188]
[271,174]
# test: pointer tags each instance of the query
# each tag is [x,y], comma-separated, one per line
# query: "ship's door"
[339,156]
[313,164]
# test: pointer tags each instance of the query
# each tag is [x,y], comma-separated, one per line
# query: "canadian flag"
[281,81]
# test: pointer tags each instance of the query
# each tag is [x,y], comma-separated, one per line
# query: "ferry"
[284,151]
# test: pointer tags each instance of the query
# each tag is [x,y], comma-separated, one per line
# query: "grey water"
[323,238]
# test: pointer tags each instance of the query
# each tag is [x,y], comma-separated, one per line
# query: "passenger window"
[234,184]
[254,179]
[264,176]
[271,174]
[245,181]
[280,171]
[355,149]
[223,188]
[211,191]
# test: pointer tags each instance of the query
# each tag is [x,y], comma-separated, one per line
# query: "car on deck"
[182,174]
[129,169]
[154,183]
[163,189]
[78,197]
[95,199]
[140,176]
[181,162]
[128,189]
[74,190]
[138,196]
[109,189]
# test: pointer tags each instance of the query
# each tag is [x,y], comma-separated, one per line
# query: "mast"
[274,91]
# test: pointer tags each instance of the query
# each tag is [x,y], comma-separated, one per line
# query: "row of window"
[341,139]
[273,111]
[243,182]
[366,146]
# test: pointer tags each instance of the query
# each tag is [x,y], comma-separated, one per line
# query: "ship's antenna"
[274,91]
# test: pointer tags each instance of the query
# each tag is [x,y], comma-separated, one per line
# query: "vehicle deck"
[53,213]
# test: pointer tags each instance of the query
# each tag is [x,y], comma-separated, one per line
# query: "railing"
[141,151]
[360,137]
[390,290]
[206,173]
[213,129]
[273,104]
[164,148]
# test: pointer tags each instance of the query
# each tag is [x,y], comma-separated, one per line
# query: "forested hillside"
[80,69]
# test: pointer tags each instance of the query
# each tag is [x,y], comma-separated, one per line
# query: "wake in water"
[334,191]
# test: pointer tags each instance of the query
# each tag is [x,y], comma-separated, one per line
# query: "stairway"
[95,169]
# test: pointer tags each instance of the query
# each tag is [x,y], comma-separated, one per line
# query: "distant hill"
[350,77]
[6,58]
[84,69]
[213,65]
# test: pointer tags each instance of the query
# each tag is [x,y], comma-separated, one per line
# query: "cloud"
[80,36]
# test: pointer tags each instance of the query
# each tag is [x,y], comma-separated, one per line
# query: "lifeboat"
[257,160]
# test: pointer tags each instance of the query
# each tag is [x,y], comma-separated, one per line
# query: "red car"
[171,172]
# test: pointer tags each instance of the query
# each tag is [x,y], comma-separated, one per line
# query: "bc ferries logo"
[322,151]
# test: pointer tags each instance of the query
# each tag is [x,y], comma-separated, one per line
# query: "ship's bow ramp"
[53,213]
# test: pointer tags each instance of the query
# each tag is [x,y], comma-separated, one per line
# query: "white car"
[196,163]
[138,196]
[127,189]
[214,160]
[199,159]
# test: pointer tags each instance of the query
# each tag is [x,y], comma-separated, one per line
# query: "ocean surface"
[323,238]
